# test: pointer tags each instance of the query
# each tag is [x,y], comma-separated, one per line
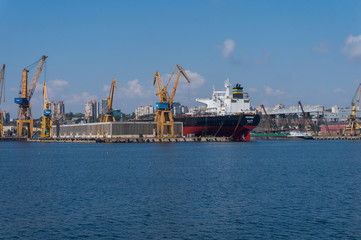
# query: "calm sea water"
[257,190]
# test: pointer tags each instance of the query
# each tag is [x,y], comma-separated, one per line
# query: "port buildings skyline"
[280,52]
[57,110]
[177,109]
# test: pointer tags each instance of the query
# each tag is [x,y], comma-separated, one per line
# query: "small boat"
[298,134]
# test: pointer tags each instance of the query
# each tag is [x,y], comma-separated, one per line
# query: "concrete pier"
[337,137]
[133,140]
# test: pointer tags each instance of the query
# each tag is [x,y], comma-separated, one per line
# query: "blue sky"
[280,51]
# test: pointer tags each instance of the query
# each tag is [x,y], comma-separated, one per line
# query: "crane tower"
[25,116]
[163,114]
[107,115]
[46,123]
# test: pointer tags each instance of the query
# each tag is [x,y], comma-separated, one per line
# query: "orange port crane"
[107,114]
[2,79]
[46,123]
[25,116]
[352,125]
[163,114]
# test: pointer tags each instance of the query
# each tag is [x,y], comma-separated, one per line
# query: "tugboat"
[226,115]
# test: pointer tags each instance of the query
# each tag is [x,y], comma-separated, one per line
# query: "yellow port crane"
[352,126]
[25,116]
[46,123]
[2,79]
[163,114]
[107,114]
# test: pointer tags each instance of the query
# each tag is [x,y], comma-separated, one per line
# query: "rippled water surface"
[257,190]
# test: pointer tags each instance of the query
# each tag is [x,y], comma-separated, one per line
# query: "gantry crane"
[46,123]
[163,114]
[352,125]
[2,79]
[107,114]
[25,116]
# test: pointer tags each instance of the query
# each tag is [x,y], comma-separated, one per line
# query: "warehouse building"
[111,130]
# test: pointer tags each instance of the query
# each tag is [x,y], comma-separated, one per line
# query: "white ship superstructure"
[224,103]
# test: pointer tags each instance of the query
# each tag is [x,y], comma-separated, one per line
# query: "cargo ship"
[225,115]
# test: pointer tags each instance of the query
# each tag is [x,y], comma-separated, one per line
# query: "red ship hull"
[237,127]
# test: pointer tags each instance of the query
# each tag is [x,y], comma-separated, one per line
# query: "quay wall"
[112,130]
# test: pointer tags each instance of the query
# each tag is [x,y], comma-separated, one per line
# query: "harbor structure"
[112,130]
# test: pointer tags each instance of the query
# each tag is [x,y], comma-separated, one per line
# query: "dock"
[315,137]
[337,138]
[131,140]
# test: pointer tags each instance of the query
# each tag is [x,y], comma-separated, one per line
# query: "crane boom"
[158,80]
[162,91]
[180,71]
[2,75]
[35,78]
[45,93]
[111,95]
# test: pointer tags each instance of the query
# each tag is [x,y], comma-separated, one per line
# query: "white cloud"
[273,92]
[55,88]
[228,47]
[196,79]
[58,83]
[106,88]
[134,90]
[353,47]
[252,90]
[266,55]
[322,47]
[80,99]
[339,90]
